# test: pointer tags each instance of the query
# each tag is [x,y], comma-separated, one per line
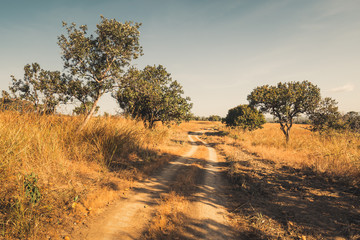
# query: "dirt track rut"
[209,216]
[129,217]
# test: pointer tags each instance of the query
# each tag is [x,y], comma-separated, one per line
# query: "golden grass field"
[78,174]
[337,154]
[308,189]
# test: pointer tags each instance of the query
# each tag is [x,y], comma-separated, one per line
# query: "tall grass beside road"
[52,177]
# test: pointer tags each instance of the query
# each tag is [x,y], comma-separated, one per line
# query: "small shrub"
[245,117]
[31,189]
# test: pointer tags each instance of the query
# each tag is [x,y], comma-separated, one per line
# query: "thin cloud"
[346,88]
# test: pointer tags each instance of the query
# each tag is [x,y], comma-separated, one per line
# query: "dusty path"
[129,217]
[209,216]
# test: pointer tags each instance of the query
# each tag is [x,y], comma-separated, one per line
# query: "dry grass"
[169,218]
[75,174]
[196,126]
[307,189]
[337,154]
[172,212]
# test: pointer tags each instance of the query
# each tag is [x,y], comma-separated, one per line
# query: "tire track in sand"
[208,213]
[129,217]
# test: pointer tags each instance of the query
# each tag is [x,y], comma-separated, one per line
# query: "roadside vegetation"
[52,177]
[335,153]
[307,188]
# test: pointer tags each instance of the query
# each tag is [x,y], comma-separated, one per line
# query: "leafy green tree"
[192,117]
[214,118]
[94,62]
[352,121]
[44,89]
[245,117]
[285,101]
[325,116]
[152,95]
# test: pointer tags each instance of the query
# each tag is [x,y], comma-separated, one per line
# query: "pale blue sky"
[218,50]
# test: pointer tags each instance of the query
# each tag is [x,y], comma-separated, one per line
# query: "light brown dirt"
[209,217]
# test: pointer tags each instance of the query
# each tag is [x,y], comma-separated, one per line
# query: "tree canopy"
[325,116]
[245,117]
[44,89]
[286,101]
[352,121]
[152,95]
[214,118]
[94,62]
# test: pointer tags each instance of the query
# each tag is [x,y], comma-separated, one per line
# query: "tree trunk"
[287,137]
[151,124]
[89,114]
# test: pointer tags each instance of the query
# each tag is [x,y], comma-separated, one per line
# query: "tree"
[44,89]
[85,108]
[286,101]
[325,116]
[93,63]
[352,121]
[245,117]
[214,118]
[192,117]
[152,95]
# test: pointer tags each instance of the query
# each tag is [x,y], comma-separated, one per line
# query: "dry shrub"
[73,171]
[169,218]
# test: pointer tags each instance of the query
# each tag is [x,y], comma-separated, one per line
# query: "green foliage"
[192,117]
[43,89]
[85,108]
[352,121]
[214,118]
[245,117]
[94,62]
[326,116]
[25,208]
[286,101]
[152,95]
[31,189]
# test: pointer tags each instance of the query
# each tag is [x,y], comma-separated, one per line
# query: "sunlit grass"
[336,153]
[70,167]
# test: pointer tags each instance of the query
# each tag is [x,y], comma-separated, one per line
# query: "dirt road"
[208,217]
[130,217]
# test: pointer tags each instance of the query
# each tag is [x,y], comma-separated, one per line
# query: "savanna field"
[306,189]
[53,178]
[334,153]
